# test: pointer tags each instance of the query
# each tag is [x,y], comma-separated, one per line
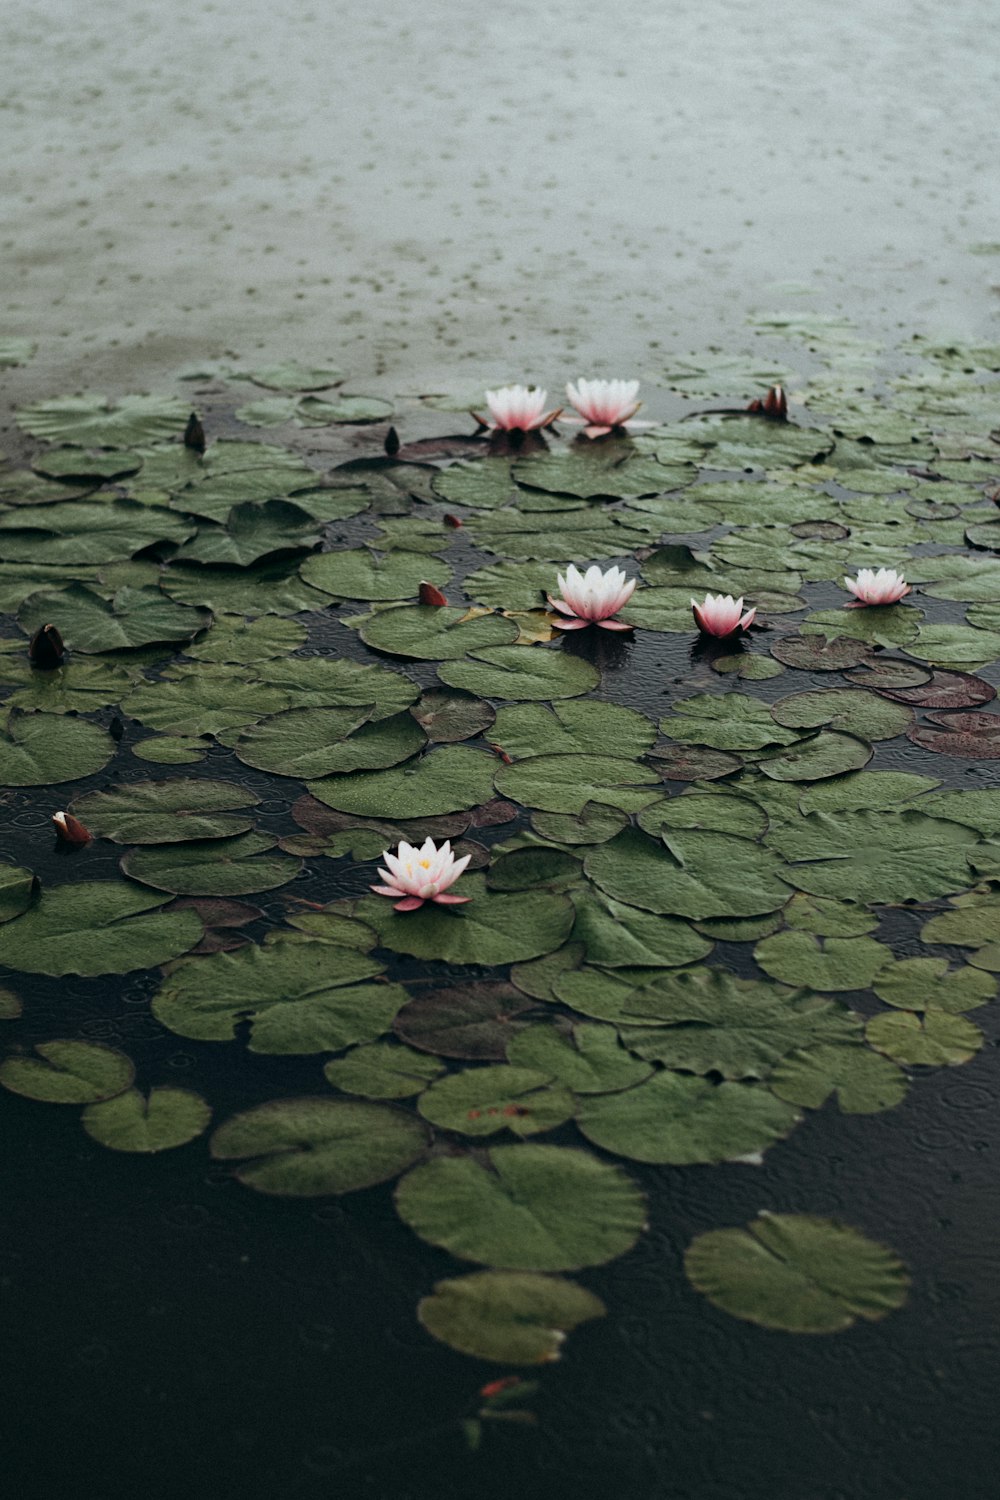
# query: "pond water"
[431,204]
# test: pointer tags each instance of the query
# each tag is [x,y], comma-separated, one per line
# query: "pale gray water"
[444,194]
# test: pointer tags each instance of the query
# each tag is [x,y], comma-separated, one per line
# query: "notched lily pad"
[476,1021]
[68,1072]
[481,1101]
[935,1039]
[160,1121]
[514,1317]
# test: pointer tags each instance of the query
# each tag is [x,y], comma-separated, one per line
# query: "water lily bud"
[70,829]
[194,434]
[431,595]
[391,444]
[452,521]
[46,649]
[774,405]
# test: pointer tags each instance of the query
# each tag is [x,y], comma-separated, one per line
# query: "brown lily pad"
[470,1020]
[885,674]
[693,763]
[815,653]
[976,736]
[945,690]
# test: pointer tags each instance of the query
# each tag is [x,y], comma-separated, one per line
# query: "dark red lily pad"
[692,763]
[470,1020]
[815,653]
[945,690]
[976,736]
[222,919]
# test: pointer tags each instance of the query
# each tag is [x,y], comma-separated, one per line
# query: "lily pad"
[677,1119]
[569,728]
[521,672]
[447,718]
[935,1039]
[213,867]
[797,1273]
[98,927]
[428,633]
[481,1101]
[617,936]
[382,1070]
[513,1317]
[816,653]
[17,888]
[875,856]
[862,1082]
[525,1207]
[825,754]
[308,1148]
[587,1057]
[729,721]
[822,963]
[40,749]
[360,574]
[929,984]
[68,1072]
[566,783]
[89,622]
[866,715]
[163,1119]
[496,927]
[444,781]
[696,875]
[166,812]
[93,421]
[471,1021]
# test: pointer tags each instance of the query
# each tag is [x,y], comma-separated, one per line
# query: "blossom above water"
[591,598]
[418,875]
[517,408]
[884,587]
[721,614]
[604,404]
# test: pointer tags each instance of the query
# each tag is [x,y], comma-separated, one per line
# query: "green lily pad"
[76,687]
[166,812]
[308,1148]
[360,574]
[40,749]
[928,984]
[569,728]
[10,1004]
[253,529]
[271,587]
[534,868]
[521,672]
[17,888]
[822,963]
[88,622]
[300,997]
[212,867]
[849,709]
[587,1057]
[68,1072]
[320,682]
[428,633]
[513,1317]
[471,1021]
[797,1273]
[696,875]
[715,813]
[444,781]
[165,1118]
[677,1119]
[566,783]
[235,639]
[526,1207]
[617,936]
[481,1101]
[595,823]
[862,1082]
[98,927]
[867,791]
[496,927]
[447,718]
[383,1070]
[291,376]
[311,412]
[512,585]
[171,750]
[729,721]
[77,532]
[934,1040]
[875,856]
[825,754]
[93,421]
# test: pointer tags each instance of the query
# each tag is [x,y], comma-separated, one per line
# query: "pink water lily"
[418,875]
[604,404]
[591,598]
[517,408]
[884,587]
[721,614]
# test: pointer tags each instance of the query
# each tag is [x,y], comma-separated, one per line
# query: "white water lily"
[591,598]
[721,614]
[884,587]
[604,404]
[518,408]
[418,875]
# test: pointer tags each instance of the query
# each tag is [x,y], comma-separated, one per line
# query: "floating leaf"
[570,728]
[203,702]
[360,574]
[970,735]
[133,1121]
[307,1148]
[566,783]
[821,963]
[319,682]
[166,812]
[39,749]
[443,781]
[212,867]
[92,421]
[815,653]
[133,617]
[943,690]
[697,875]
[429,633]
[825,754]
[595,823]
[81,532]
[481,1101]
[677,1119]
[10,1004]
[17,887]
[526,1207]
[307,742]
[382,1070]
[730,721]
[513,1317]
[449,717]
[291,376]
[235,639]
[849,709]
[618,936]
[929,984]
[797,1273]
[534,868]
[587,1057]
[862,1082]
[521,672]
[68,1072]
[875,856]
[98,927]
[935,1039]
[471,1021]
[300,996]
[680,763]
[496,927]
[254,529]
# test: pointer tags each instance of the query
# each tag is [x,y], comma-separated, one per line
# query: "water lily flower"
[418,875]
[517,408]
[591,598]
[721,614]
[884,587]
[773,405]
[604,404]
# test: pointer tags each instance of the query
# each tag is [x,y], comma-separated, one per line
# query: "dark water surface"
[438,198]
